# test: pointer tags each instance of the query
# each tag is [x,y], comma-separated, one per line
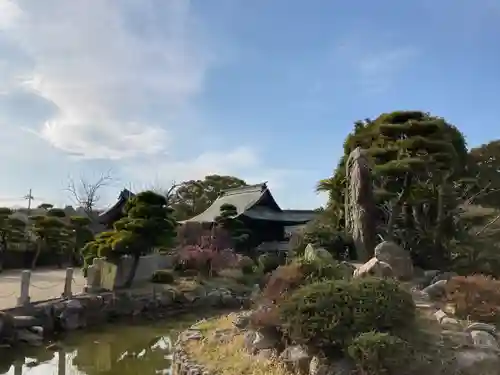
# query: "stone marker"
[24,297]
[68,281]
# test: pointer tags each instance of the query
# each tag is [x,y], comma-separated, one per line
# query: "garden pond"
[116,349]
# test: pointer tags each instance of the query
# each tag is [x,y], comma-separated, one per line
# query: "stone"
[29,337]
[468,358]
[360,204]
[312,254]
[477,326]
[242,320]
[451,323]
[191,334]
[443,276]
[37,329]
[6,326]
[264,341]
[248,339]
[25,321]
[484,340]
[436,289]
[461,339]
[440,315]
[396,257]
[373,267]
[267,353]
[296,358]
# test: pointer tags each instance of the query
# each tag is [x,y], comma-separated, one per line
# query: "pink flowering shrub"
[207,258]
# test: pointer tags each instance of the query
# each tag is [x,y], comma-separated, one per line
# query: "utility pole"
[29,197]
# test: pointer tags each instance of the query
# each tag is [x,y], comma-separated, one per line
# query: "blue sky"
[167,90]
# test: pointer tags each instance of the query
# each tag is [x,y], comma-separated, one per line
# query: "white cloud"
[378,70]
[103,75]
[376,61]
[117,79]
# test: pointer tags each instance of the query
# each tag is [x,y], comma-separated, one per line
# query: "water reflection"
[118,350]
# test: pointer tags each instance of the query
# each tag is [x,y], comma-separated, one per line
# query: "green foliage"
[53,234]
[418,160]
[483,166]
[268,262]
[229,221]
[195,196]
[56,212]
[377,353]
[327,315]
[148,224]
[12,230]
[163,277]
[247,265]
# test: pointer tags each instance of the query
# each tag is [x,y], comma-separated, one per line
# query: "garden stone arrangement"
[86,310]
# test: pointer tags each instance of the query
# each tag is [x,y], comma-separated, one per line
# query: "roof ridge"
[244,189]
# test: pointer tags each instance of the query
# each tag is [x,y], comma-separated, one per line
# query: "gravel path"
[45,284]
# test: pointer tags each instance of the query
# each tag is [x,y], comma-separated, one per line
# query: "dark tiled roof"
[246,200]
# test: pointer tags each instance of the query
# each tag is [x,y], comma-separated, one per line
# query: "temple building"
[256,208]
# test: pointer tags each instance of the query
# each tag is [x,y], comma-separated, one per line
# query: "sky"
[161,91]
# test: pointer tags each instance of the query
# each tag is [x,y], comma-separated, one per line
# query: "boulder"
[436,290]
[443,276]
[312,254]
[374,267]
[477,326]
[472,359]
[6,326]
[296,358]
[484,340]
[29,337]
[398,258]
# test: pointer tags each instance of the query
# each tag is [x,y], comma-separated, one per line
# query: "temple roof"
[255,202]
[114,212]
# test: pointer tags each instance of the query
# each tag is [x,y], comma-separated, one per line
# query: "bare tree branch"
[85,193]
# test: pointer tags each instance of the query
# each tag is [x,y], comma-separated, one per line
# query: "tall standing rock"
[360,205]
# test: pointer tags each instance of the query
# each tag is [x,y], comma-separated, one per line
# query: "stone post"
[67,283]
[24,297]
[91,281]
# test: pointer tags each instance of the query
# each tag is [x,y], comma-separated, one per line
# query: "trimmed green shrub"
[377,353]
[163,277]
[327,315]
[269,262]
[382,304]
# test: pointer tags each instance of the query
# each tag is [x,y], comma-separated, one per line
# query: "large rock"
[296,358]
[360,204]
[484,340]
[6,327]
[398,258]
[374,267]
[436,290]
[312,254]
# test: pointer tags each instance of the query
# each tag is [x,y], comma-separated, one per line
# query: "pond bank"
[35,323]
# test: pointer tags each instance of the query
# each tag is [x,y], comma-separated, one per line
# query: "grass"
[228,358]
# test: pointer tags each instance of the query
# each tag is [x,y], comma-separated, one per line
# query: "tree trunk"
[37,254]
[133,270]
[3,251]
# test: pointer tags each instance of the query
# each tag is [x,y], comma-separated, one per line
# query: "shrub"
[475,297]
[247,265]
[327,315]
[300,272]
[377,353]
[163,277]
[205,259]
[382,304]
[269,262]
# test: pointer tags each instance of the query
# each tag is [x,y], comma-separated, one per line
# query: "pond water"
[117,349]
